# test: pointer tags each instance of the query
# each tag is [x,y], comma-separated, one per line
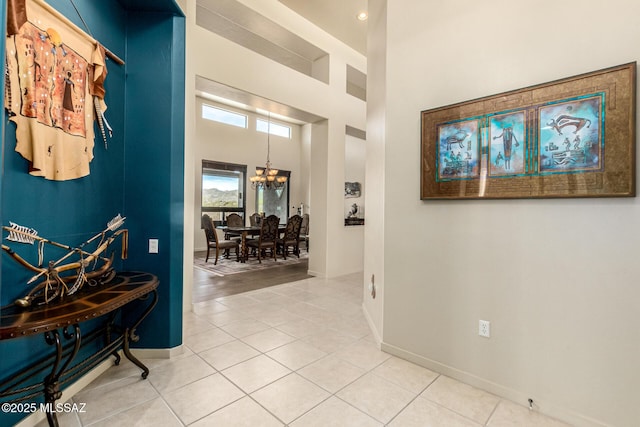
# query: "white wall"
[557,278]
[224,143]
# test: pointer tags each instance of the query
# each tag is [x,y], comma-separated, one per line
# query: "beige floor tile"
[264,295]
[406,374]
[224,317]
[377,397]
[229,354]
[201,398]
[363,353]
[118,372]
[290,397]
[255,373]
[296,355]
[510,414]
[287,290]
[114,397]
[178,373]
[423,413]
[334,412]
[246,327]
[207,339]
[268,340]
[332,373]
[282,301]
[336,305]
[208,307]
[301,328]
[193,324]
[469,401]
[263,308]
[330,340]
[310,312]
[304,296]
[154,413]
[242,413]
[356,327]
[66,419]
[237,301]
[278,316]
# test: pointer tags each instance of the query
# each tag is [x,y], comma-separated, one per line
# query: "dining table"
[243,232]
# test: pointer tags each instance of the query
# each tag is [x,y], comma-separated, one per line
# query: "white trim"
[157,353]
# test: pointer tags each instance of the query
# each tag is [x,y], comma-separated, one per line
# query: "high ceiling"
[336,17]
[240,24]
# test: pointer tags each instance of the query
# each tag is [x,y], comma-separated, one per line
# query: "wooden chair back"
[269,229]
[292,232]
[209,229]
[235,220]
[254,219]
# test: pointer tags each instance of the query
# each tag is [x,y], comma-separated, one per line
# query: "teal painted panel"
[155,106]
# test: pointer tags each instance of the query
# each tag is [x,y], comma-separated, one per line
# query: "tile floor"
[297,354]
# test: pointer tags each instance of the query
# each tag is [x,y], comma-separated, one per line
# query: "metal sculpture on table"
[58,278]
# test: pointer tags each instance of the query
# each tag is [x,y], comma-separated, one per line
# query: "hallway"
[296,354]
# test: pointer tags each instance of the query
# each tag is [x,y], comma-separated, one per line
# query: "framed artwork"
[352,189]
[573,137]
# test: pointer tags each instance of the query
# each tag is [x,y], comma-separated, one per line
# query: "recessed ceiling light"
[362,16]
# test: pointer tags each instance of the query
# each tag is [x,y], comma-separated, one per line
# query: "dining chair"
[254,219]
[290,236]
[267,238]
[214,243]
[233,220]
[304,231]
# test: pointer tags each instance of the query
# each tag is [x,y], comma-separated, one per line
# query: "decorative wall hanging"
[54,82]
[573,137]
[61,277]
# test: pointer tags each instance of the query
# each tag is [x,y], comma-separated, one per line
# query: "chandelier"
[267,177]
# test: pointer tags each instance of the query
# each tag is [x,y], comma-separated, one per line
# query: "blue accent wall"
[139,175]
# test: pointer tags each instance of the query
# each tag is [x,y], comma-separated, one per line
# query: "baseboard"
[69,392]
[372,327]
[157,353]
[316,274]
[540,405]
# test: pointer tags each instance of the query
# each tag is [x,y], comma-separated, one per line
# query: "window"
[273,201]
[223,189]
[224,116]
[273,128]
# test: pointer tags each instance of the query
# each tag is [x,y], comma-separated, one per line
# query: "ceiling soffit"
[244,26]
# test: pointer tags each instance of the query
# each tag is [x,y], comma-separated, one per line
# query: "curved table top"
[88,303]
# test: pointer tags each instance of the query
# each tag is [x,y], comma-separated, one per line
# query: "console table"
[59,324]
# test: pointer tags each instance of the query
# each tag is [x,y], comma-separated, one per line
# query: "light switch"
[153,246]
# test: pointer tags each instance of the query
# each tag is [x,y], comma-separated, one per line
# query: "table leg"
[130,335]
[52,390]
[243,247]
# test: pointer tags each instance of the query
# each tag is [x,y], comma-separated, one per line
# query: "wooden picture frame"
[573,137]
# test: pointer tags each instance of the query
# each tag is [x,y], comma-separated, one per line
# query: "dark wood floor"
[207,286]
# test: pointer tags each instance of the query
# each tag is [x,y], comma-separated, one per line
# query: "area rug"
[227,266]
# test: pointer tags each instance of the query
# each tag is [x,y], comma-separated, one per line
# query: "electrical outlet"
[484,328]
[153,246]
